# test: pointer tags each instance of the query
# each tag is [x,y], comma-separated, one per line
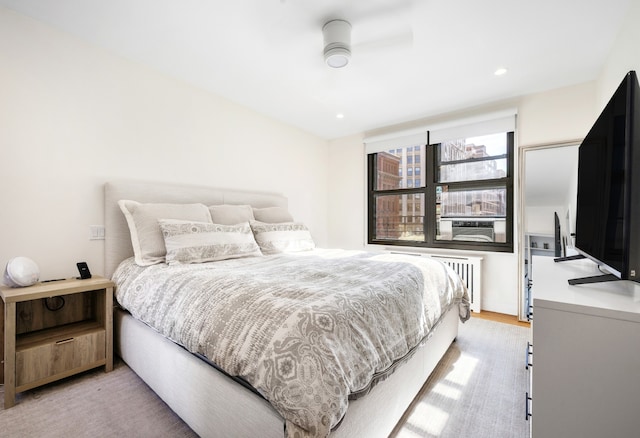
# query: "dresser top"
[614,299]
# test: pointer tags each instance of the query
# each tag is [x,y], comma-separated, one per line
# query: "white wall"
[558,115]
[347,201]
[539,219]
[624,56]
[73,116]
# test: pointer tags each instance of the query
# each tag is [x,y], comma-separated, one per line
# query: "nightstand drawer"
[55,355]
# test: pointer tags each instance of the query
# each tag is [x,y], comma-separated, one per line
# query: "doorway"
[548,187]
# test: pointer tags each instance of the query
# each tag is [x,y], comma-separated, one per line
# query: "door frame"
[522,152]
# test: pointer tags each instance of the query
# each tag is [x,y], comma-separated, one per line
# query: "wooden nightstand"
[54,330]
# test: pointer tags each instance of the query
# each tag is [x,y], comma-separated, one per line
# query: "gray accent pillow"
[146,237]
[227,214]
[272,215]
[282,237]
[198,242]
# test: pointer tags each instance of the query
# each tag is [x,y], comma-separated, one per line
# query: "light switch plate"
[96,232]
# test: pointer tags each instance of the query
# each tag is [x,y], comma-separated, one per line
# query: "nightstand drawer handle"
[65,341]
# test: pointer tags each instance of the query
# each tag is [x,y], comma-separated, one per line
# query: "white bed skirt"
[214,405]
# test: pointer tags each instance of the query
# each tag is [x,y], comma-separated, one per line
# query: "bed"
[216,403]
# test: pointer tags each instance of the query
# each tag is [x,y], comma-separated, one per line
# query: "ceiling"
[410,59]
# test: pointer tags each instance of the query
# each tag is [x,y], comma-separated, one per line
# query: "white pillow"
[272,215]
[197,242]
[146,237]
[282,237]
[227,214]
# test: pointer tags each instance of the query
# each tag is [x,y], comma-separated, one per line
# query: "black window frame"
[429,173]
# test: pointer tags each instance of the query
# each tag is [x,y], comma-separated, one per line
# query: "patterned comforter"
[306,330]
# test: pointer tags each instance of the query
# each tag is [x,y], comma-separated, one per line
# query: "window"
[464,199]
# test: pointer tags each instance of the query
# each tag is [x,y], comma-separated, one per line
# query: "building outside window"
[464,199]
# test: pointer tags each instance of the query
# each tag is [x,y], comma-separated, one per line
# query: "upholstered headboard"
[117,246]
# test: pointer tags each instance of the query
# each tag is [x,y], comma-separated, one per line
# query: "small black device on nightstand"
[84,270]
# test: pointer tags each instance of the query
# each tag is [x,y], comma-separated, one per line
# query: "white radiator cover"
[470,271]
[469,268]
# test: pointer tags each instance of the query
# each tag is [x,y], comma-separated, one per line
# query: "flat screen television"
[558,247]
[608,204]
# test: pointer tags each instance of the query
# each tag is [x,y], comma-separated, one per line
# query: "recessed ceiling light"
[340,116]
[501,71]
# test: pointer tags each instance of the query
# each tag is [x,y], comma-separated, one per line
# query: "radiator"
[469,270]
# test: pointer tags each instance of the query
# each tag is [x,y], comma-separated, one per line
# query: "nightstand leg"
[1,342]
[108,318]
[9,355]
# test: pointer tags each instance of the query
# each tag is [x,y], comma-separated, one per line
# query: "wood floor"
[500,317]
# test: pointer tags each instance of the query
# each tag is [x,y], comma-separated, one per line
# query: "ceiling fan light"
[337,57]
[337,43]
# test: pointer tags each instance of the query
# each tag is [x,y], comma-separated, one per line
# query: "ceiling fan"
[337,42]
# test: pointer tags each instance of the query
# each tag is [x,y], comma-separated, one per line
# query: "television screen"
[558,232]
[604,225]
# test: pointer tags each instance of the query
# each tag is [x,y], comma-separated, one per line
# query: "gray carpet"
[476,391]
[478,388]
[92,404]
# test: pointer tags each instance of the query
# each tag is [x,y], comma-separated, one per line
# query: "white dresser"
[586,354]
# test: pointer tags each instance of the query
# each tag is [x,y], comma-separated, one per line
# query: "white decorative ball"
[20,272]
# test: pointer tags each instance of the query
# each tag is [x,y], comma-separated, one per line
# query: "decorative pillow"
[197,242]
[282,237]
[146,237]
[272,215]
[228,214]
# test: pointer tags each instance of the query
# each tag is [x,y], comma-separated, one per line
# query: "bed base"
[214,405]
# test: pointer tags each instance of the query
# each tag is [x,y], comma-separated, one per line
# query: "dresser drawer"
[56,356]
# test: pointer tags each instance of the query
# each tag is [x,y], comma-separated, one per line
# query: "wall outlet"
[96,232]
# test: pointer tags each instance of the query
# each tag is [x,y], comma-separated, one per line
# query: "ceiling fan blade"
[398,42]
